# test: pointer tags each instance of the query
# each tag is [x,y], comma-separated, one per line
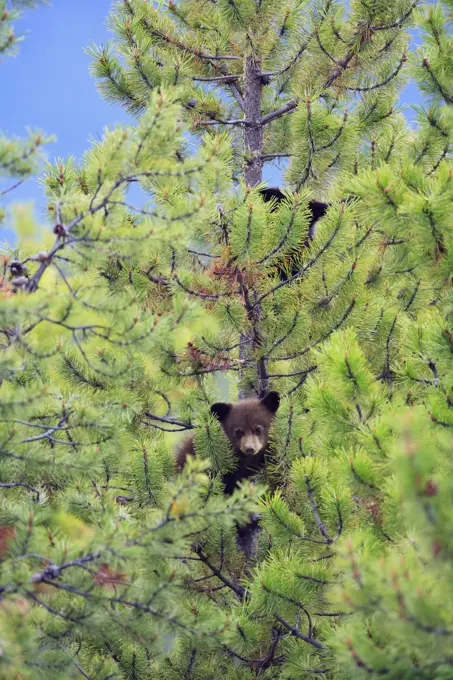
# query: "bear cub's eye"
[239,433]
[259,430]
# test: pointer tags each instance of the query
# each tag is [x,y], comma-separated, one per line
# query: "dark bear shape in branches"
[317,208]
[246,424]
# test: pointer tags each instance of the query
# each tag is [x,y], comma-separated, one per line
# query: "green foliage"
[120,324]
[402,597]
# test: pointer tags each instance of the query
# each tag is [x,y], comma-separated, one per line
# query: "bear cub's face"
[246,423]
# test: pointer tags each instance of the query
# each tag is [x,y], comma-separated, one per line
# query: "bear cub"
[246,424]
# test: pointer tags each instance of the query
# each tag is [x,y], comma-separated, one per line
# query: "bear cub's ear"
[271,401]
[220,410]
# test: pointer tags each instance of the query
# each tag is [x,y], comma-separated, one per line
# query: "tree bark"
[253,147]
[253,141]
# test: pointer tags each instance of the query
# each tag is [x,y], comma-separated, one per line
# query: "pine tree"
[315,83]
[112,565]
[401,622]
[91,521]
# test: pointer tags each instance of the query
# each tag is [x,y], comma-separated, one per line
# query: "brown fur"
[246,424]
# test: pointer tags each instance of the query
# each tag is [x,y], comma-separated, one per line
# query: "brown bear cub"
[246,424]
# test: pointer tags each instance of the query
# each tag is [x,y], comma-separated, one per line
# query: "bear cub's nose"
[250,450]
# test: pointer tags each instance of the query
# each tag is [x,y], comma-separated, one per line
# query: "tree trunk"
[253,148]
[253,142]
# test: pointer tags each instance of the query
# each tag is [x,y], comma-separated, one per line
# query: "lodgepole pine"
[129,320]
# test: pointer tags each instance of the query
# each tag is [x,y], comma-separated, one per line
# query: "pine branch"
[446,96]
[442,157]
[238,590]
[174,42]
[220,121]
[296,633]
[275,156]
[304,269]
[303,372]
[170,421]
[77,665]
[387,80]
[11,188]
[278,113]
[54,571]
[227,79]
[322,338]
[319,522]
[283,239]
[284,337]
[15,485]
[399,22]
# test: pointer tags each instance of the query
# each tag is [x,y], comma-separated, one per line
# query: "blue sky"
[48,86]
[48,83]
